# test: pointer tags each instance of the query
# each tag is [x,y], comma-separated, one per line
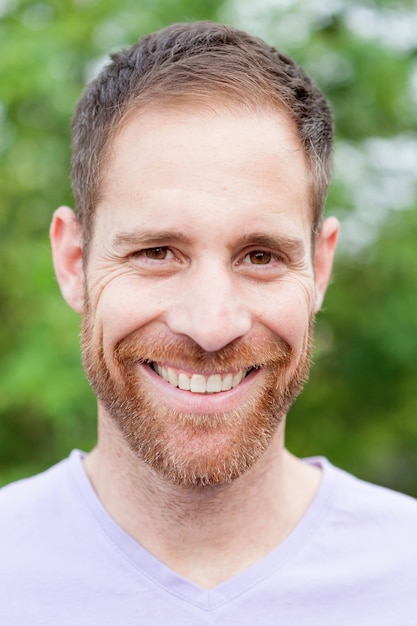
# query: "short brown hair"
[200,62]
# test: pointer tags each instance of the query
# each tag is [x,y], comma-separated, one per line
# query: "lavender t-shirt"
[351,561]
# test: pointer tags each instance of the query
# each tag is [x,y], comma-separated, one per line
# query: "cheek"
[123,307]
[287,313]
[127,304]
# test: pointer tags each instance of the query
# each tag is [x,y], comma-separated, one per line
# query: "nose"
[210,309]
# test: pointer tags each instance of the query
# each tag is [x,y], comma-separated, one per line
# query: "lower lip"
[187,401]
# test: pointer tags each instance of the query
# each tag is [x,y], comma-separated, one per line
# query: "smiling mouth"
[198,383]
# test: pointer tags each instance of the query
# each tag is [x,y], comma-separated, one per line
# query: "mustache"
[254,352]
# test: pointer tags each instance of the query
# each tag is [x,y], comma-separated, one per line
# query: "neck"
[205,534]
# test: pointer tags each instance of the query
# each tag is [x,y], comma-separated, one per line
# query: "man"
[198,258]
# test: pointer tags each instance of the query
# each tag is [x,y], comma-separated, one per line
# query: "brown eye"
[258,257]
[157,254]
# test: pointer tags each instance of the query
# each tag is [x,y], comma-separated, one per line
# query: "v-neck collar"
[124,546]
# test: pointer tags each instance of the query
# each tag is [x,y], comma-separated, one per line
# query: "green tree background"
[360,406]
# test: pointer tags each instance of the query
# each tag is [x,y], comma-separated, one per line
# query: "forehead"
[219,163]
[236,132]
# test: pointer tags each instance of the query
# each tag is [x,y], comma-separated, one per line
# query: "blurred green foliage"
[360,406]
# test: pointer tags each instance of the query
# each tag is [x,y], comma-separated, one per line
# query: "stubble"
[194,449]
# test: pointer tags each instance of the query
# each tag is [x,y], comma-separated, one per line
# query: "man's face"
[200,290]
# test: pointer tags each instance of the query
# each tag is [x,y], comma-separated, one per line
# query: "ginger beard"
[194,449]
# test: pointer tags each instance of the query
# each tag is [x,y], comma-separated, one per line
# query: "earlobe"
[323,258]
[67,255]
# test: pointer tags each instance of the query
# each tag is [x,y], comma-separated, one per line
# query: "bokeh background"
[360,406]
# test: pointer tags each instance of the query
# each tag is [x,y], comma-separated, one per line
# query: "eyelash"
[270,257]
[152,255]
[145,253]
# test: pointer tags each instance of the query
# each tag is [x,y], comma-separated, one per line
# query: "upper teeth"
[197,383]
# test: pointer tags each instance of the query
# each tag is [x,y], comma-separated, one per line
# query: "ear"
[323,258]
[67,255]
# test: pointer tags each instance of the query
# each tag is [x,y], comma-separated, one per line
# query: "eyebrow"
[291,245]
[149,238]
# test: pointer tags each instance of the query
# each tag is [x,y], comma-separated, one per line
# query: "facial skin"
[201,272]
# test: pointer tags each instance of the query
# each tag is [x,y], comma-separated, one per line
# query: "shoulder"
[362,498]
[26,501]
[364,542]
[372,520]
